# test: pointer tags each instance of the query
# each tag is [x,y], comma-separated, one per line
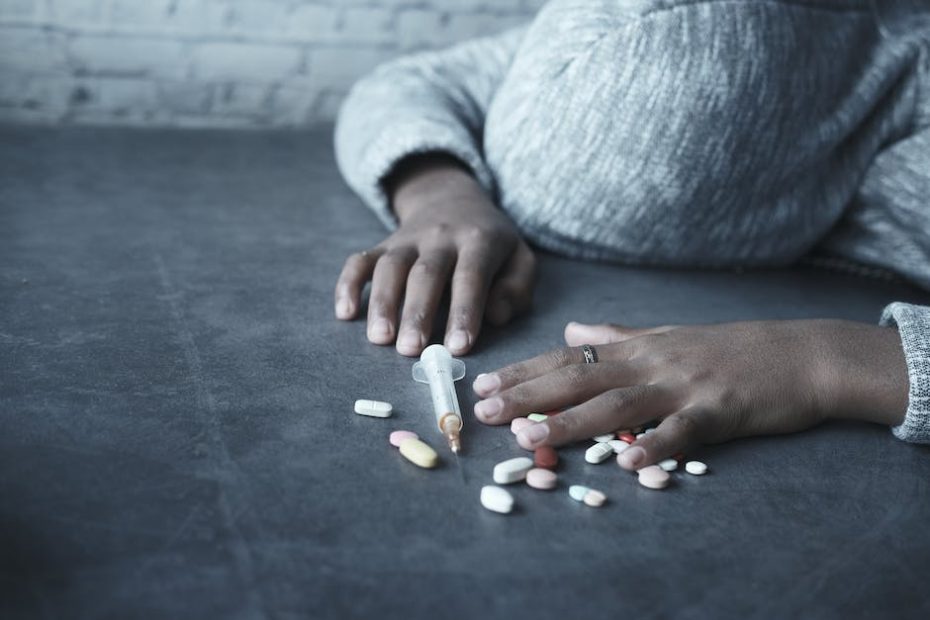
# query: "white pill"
[598,453]
[496,499]
[696,468]
[604,438]
[638,435]
[577,492]
[649,430]
[373,408]
[537,417]
[618,445]
[668,464]
[594,498]
[512,470]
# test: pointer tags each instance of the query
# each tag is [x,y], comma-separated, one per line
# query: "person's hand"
[450,233]
[706,384]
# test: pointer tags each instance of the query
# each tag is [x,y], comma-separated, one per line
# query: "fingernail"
[632,457]
[489,408]
[535,433]
[486,383]
[458,341]
[380,329]
[343,309]
[409,340]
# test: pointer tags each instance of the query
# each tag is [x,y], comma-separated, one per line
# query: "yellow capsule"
[418,453]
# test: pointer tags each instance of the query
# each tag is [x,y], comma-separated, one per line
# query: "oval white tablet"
[373,408]
[668,464]
[598,452]
[696,468]
[604,438]
[512,470]
[496,499]
[618,445]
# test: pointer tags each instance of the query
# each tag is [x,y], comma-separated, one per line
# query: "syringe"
[438,368]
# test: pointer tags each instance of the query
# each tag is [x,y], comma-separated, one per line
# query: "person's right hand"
[450,231]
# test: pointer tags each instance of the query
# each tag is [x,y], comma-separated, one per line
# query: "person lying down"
[655,132]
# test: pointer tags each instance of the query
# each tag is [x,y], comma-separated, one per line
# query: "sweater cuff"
[413,138]
[913,323]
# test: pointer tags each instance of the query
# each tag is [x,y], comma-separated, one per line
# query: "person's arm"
[432,102]
[913,323]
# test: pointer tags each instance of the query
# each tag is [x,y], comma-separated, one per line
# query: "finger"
[355,273]
[425,284]
[474,271]
[577,334]
[674,434]
[605,413]
[512,292]
[387,287]
[490,383]
[561,388]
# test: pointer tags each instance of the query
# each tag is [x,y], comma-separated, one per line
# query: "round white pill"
[604,438]
[496,499]
[696,468]
[668,464]
[512,470]
[598,453]
[577,492]
[373,408]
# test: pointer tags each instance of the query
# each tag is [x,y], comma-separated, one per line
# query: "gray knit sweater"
[682,132]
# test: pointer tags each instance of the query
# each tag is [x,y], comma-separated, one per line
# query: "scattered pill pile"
[538,472]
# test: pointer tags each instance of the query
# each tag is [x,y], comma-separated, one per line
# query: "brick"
[242,99]
[87,14]
[119,96]
[31,49]
[290,104]
[129,56]
[19,10]
[367,24]
[44,93]
[326,107]
[251,17]
[245,61]
[419,28]
[184,97]
[313,22]
[340,67]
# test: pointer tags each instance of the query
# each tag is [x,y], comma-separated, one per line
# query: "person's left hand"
[705,383]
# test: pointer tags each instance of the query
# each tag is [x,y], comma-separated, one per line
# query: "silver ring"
[590,354]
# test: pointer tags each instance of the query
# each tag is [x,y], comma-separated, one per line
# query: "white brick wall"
[215,63]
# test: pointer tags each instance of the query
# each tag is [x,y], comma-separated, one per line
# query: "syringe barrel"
[440,370]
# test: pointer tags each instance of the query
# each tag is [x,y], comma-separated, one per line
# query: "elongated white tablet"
[512,470]
[618,445]
[598,453]
[373,408]
[496,499]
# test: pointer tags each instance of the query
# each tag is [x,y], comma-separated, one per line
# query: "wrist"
[432,181]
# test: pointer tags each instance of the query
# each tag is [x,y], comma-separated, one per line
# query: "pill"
[518,424]
[653,477]
[373,408]
[418,453]
[546,457]
[543,479]
[696,468]
[638,435]
[618,446]
[512,470]
[598,452]
[603,438]
[537,417]
[594,498]
[668,464]
[627,437]
[577,492]
[496,499]
[399,437]
[649,430]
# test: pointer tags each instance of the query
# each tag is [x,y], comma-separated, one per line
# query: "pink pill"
[518,424]
[594,498]
[653,477]
[399,437]
[539,478]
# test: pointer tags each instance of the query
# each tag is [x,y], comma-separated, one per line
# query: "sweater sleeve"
[913,323]
[432,101]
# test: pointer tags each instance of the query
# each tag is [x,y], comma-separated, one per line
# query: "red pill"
[546,457]
[627,437]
